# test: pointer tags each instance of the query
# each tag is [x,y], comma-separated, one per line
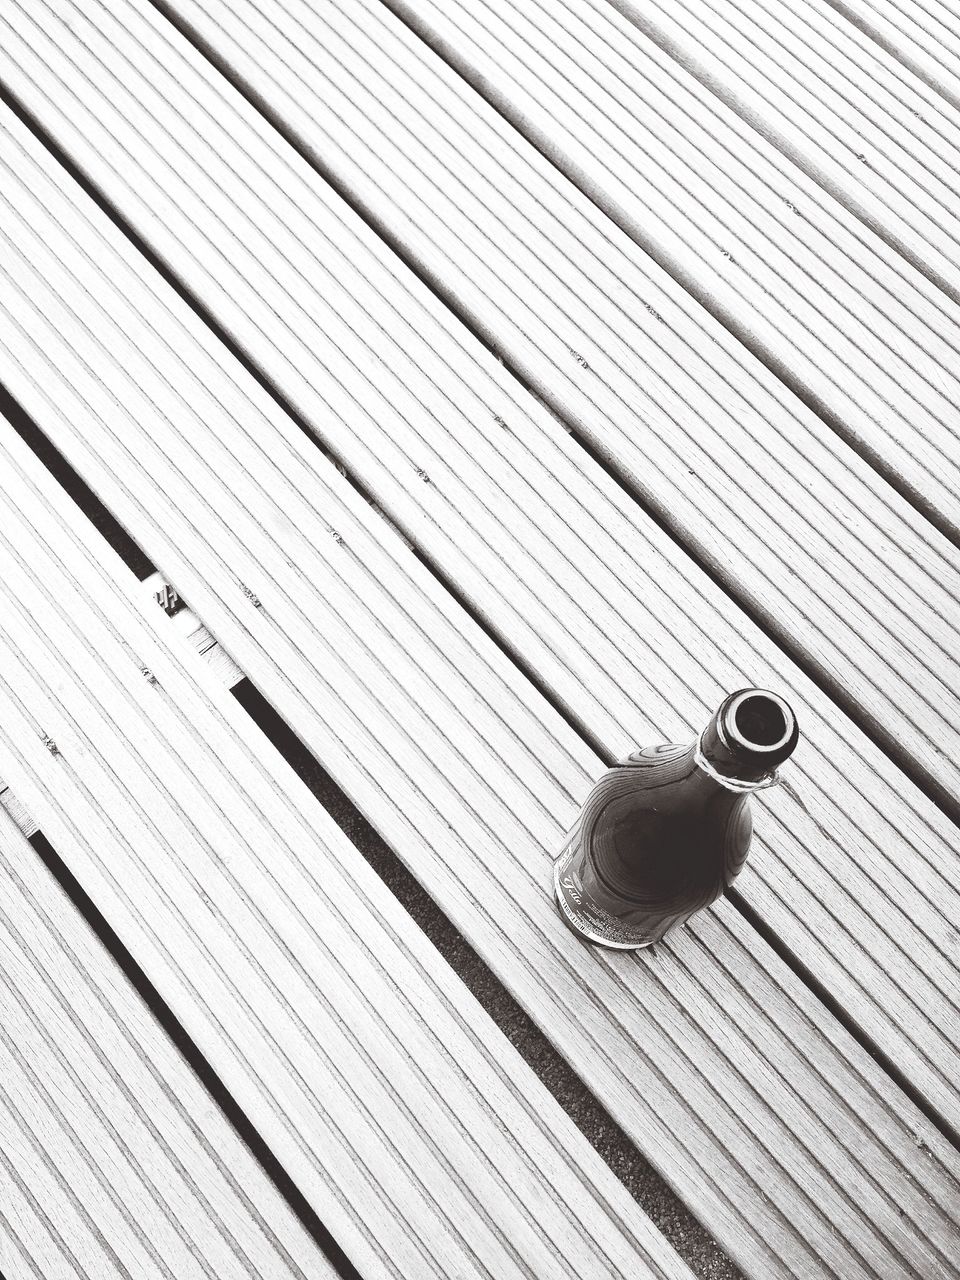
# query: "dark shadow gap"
[653,1194]
[139,564]
[194,1058]
[425,912]
[81,493]
[834,689]
[647,1187]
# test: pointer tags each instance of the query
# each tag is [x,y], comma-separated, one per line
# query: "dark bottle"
[664,832]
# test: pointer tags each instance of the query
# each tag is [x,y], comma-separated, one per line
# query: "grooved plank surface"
[418,1133]
[855,120]
[855,871]
[114,1161]
[785,1137]
[843,319]
[924,37]
[743,471]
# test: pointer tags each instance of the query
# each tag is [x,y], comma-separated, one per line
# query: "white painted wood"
[114,1161]
[187,625]
[787,1139]
[22,819]
[855,870]
[418,1133]
[745,474]
[839,315]
[924,37]
[886,146]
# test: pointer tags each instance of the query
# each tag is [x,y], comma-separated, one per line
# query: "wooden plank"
[194,632]
[924,37]
[21,818]
[416,1130]
[738,467]
[886,146]
[192,629]
[787,1139]
[634,642]
[114,1161]
[840,316]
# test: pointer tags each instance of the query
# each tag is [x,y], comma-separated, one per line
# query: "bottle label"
[585,917]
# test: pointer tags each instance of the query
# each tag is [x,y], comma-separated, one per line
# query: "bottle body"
[664,832]
[652,846]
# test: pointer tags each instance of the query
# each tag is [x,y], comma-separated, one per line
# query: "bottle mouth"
[760,723]
[753,732]
[757,721]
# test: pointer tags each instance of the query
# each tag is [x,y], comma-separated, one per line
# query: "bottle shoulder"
[655,757]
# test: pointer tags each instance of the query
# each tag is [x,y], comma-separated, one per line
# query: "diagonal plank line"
[860,886]
[108,1137]
[870,607]
[327,1013]
[774,258]
[830,101]
[251,1139]
[753,1102]
[925,38]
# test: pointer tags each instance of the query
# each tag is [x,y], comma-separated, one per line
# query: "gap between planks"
[727,461]
[850,116]
[633,645]
[778,1128]
[114,1160]
[413,1127]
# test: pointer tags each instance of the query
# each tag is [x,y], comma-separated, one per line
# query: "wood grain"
[843,319]
[114,1161]
[924,37]
[883,144]
[736,466]
[856,871]
[783,1135]
[419,1135]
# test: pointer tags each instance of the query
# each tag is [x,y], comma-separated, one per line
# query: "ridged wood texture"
[788,516]
[842,318]
[924,37]
[885,145]
[414,1128]
[114,1161]
[856,871]
[783,1135]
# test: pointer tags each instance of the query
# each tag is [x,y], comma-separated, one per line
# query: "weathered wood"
[746,475]
[424,1141]
[840,316]
[886,146]
[787,1139]
[856,871]
[114,1161]
[194,632]
[21,818]
[924,37]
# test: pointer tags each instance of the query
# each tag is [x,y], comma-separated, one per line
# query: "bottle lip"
[731,736]
[740,785]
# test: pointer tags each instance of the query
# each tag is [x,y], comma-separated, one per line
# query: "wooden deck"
[499,384]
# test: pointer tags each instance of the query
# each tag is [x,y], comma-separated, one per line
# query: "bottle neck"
[719,765]
[728,764]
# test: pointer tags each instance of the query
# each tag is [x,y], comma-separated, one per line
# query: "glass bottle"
[667,829]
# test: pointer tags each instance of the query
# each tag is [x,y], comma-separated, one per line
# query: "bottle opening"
[759,721]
